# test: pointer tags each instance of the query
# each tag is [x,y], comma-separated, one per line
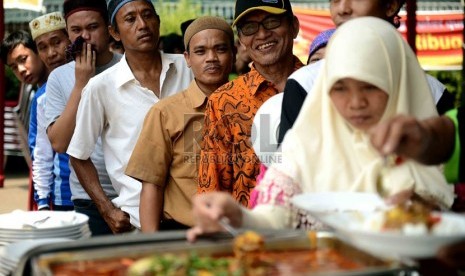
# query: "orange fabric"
[228,161]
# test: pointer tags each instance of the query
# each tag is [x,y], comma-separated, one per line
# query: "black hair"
[184,26]
[395,19]
[173,43]
[13,40]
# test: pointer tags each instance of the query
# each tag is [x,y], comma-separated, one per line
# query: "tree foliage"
[11,85]
[453,81]
[172,14]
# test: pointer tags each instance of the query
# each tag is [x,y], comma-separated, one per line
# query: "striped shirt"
[50,171]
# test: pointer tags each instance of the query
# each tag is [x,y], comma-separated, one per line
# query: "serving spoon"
[225,223]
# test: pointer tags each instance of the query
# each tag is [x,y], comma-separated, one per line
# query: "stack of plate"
[11,254]
[21,231]
[19,226]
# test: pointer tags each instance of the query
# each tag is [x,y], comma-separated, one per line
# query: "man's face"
[269,46]
[343,10]
[92,27]
[211,58]
[26,65]
[51,47]
[138,27]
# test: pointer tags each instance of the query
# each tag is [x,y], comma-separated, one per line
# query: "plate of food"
[330,202]
[407,231]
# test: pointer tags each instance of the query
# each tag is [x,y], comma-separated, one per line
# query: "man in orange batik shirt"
[228,161]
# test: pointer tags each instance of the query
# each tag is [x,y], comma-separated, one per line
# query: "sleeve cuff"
[42,203]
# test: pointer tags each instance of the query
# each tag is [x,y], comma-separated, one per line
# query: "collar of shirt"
[125,75]
[196,96]
[256,77]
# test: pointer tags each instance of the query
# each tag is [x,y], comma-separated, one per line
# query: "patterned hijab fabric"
[320,41]
[339,157]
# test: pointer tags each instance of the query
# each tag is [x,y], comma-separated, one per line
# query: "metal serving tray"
[40,260]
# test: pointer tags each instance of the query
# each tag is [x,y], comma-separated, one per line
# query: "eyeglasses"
[252,27]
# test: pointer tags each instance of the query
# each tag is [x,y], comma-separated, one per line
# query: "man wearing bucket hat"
[50,171]
[141,78]
[86,22]
[266,28]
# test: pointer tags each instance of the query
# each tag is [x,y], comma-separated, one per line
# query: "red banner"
[439,36]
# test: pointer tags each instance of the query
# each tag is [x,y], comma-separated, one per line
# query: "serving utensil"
[379,180]
[225,223]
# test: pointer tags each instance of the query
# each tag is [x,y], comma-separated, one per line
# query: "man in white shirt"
[114,104]
[87,21]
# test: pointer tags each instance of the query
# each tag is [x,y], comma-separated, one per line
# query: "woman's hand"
[208,209]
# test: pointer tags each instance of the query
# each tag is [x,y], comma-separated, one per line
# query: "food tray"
[41,260]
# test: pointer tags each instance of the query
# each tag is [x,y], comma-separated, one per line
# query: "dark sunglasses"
[251,27]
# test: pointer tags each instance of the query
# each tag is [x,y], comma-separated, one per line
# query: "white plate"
[351,228]
[57,220]
[328,202]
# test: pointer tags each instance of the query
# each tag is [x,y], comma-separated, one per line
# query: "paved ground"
[14,193]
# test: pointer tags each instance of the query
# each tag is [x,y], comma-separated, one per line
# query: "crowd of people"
[142,138]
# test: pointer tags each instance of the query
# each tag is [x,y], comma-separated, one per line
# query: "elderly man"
[87,19]
[50,171]
[228,162]
[142,77]
[165,156]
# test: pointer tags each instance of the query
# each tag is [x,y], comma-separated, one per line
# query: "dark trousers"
[171,224]
[97,224]
[62,208]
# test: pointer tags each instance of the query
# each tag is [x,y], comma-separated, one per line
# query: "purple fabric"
[320,41]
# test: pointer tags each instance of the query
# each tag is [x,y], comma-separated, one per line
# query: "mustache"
[212,67]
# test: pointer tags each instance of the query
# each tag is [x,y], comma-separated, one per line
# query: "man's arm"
[61,131]
[150,163]
[42,164]
[117,220]
[151,207]
[430,141]
[32,134]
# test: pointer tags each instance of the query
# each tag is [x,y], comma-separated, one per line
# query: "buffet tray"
[40,260]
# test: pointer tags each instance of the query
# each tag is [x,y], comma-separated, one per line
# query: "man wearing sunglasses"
[266,28]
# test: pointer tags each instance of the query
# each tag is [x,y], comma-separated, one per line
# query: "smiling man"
[114,104]
[228,162]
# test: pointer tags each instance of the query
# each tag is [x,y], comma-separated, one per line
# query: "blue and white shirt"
[50,171]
